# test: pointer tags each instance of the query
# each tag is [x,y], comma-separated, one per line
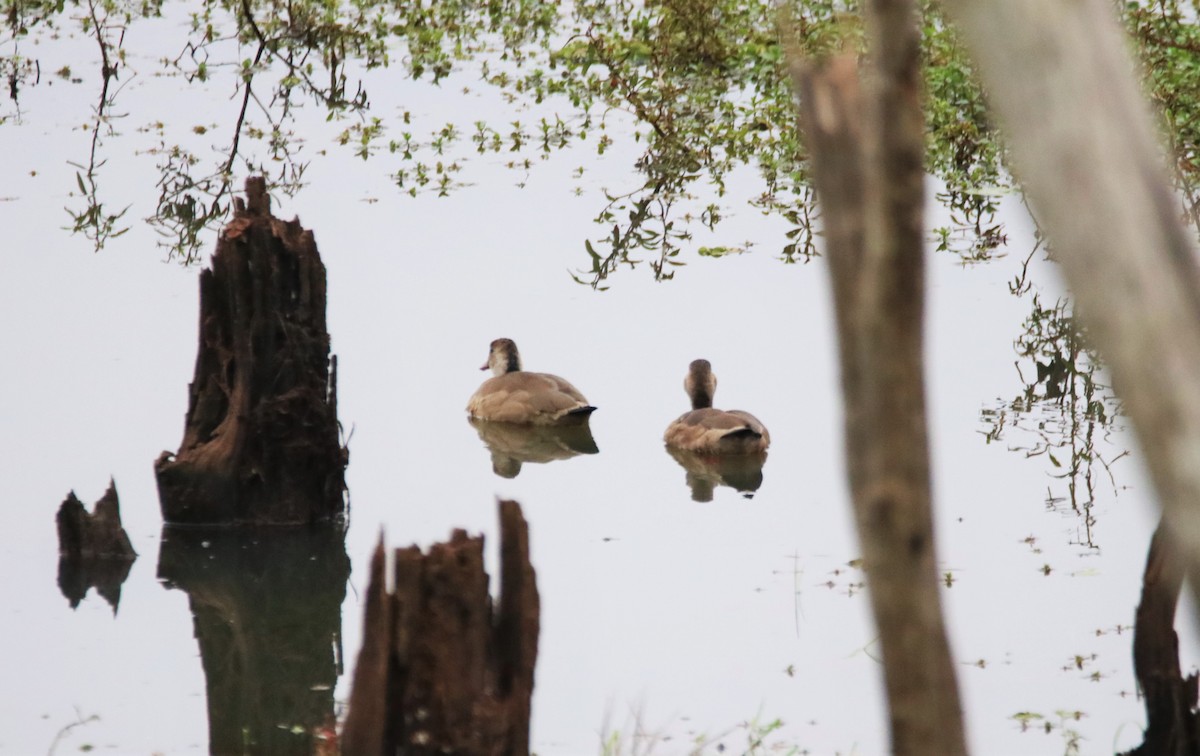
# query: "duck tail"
[744,432]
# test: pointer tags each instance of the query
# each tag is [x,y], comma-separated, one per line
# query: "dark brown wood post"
[260,443]
[1172,720]
[442,669]
[94,550]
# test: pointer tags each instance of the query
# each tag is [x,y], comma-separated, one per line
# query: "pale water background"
[688,618]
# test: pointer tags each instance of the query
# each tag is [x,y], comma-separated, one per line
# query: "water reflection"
[77,575]
[1065,413]
[513,445]
[975,233]
[266,606]
[741,472]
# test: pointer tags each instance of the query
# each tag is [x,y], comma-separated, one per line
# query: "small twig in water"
[79,720]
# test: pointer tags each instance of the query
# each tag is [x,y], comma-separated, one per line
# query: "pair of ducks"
[513,395]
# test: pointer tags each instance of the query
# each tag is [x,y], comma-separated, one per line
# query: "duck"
[706,430]
[513,395]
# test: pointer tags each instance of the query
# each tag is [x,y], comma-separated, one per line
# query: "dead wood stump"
[94,550]
[1172,719]
[442,670]
[267,613]
[260,444]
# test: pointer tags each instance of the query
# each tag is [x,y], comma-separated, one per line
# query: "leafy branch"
[93,221]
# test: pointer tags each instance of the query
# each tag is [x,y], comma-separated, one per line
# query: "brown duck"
[513,395]
[712,431]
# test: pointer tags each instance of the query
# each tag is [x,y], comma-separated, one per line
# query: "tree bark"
[1173,724]
[1059,78]
[260,444]
[866,154]
[442,670]
[94,549]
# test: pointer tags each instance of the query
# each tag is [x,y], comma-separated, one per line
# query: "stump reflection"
[266,606]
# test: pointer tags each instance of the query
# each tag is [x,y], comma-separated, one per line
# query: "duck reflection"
[513,445]
[266,608]
[741,472]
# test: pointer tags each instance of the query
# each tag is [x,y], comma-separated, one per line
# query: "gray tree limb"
[866,151]
[1059,78]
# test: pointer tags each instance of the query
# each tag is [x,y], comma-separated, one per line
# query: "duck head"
[503,357]
[700,384]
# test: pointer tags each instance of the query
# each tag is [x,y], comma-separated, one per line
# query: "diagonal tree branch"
[1085,150]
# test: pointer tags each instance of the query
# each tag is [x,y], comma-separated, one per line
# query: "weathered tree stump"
[1172,719]
[442,670]
[94,550]
[267,611]
[260,443]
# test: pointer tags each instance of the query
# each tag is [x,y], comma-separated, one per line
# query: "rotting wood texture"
[442,669]
[1172,720]
[94,549]
[260,443]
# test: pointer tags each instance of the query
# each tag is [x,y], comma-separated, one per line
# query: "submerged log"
[94,550]
[267,612]
[441,669]
[260,443]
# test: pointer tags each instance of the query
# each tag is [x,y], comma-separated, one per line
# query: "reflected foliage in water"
[974,234]
[705,472]
[1169,47]
[696,87]
[97,223]
[266,606]
[514,445]
[1065,413]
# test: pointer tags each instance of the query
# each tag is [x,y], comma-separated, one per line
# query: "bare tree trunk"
[1059,77]
[867,159]
[442,670]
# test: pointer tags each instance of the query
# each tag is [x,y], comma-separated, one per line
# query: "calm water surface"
[681,618]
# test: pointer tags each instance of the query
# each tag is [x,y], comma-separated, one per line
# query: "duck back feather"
[712,431]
